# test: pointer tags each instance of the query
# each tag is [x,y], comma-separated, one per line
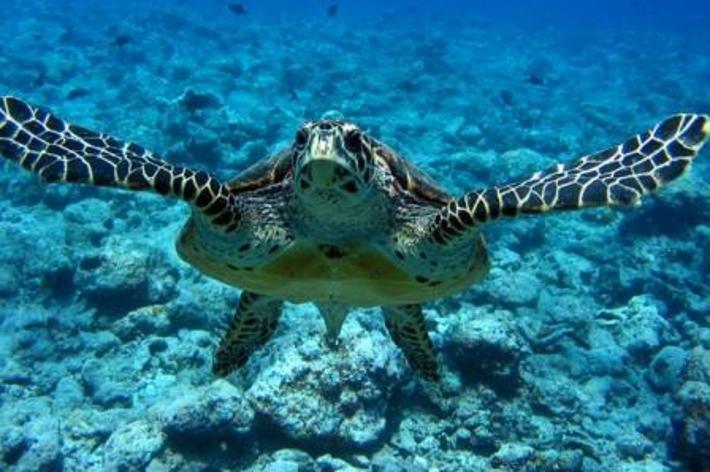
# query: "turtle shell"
[411,179]
[263,173]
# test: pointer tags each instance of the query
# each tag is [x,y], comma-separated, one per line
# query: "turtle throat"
[333,214]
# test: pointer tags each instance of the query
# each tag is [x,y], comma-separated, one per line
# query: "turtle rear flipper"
[619,175]
[253,324]
[407,328]
[61,152]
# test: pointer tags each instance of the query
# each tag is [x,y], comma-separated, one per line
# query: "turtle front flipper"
[407,328]
[620,175]
[253,324]
[60,152]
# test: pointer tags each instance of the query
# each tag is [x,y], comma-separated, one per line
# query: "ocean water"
[587,346]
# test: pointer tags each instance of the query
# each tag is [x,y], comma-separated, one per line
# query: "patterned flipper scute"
[61,152]
[620,175]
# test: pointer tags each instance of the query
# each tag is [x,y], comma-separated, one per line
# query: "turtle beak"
[322,165]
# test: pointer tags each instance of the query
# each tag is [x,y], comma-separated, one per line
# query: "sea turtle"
[339,218]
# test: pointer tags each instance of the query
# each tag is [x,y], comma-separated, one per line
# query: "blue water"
[586,348]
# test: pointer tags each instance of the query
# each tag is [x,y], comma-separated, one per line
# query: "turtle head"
[332,164]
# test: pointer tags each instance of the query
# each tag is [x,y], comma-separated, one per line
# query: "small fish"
[237,8]
[77,93]
[535,79]
[332,9]
[121,40]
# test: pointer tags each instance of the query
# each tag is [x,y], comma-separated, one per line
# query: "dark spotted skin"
[339,218]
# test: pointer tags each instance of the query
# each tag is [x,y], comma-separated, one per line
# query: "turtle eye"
[353,141]
[301,138]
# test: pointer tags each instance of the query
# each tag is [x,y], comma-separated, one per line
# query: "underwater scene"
[399,281]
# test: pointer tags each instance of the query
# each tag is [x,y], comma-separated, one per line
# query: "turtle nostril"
[304,184]
[350,187]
